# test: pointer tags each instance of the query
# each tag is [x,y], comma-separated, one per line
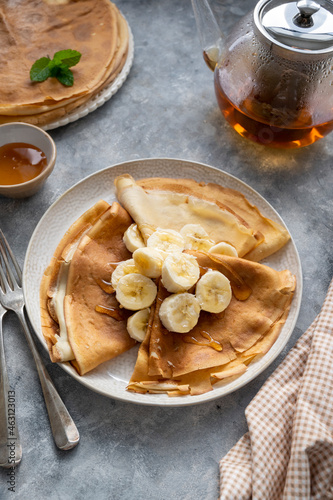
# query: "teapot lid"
[305,25]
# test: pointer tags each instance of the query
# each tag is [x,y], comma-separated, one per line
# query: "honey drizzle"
[114,312]
[214,344]
[105,286]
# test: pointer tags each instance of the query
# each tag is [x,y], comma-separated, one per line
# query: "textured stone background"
[166,108]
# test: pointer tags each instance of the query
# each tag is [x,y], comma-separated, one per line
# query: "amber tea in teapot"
[273,75]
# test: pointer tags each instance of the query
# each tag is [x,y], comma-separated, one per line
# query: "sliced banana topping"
[180,272]
[224,248]
[213,292]
[123,268]
[149,261]
[167,240]
[137,324]
[132,238]
[196,238]
[135,291]
[179,312]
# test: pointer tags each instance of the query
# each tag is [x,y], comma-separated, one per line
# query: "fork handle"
[10,445]
[64,430]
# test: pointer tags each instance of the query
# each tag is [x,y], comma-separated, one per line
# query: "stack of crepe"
[31,30]
[220,345]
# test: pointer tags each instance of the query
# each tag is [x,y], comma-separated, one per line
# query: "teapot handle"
[211,38]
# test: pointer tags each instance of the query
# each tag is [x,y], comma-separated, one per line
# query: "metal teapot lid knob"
[307,7]
[306,10]
[302,25]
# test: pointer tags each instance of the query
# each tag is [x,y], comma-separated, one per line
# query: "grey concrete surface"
[166,108]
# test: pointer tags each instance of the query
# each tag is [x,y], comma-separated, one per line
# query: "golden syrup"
[211,342]
[114,312]
[105,286]
[20,162]
[258,129]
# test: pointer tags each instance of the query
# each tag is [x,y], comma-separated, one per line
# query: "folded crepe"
[220,345]
[225,214]
[273,235]
[80,317]
[31,30]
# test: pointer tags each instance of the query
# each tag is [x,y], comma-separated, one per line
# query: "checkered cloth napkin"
[287,452]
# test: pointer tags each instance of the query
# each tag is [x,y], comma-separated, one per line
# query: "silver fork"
[10,446]
[64,430]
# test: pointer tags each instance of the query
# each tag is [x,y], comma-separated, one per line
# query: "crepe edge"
[49,279]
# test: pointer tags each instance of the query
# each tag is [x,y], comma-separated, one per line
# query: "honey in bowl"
[20,162]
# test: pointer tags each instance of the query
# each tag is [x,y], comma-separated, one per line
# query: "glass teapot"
[274,73]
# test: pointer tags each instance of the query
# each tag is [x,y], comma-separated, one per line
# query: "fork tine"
[4,282]
[2,285]
[7,275]
[5,271]
[5,245]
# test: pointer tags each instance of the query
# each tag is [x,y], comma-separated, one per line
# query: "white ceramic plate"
[102,96]
[111,378]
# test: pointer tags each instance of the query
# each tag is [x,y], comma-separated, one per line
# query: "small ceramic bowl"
[23,132]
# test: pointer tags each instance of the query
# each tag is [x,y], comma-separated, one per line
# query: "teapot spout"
[211,38]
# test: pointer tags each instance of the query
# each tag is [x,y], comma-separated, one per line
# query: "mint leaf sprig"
[57,67]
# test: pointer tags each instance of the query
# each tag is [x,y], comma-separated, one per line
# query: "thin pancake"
[275,236]
[38,26]
[50,277]
[96,29]
[173,209]
[94,337]
[248,327]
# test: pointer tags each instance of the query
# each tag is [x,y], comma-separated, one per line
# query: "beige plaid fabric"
[288,451]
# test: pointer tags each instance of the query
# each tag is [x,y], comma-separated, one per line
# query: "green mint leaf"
[58,67]
[68,57]
[65,76]
[53,67]
[40,70]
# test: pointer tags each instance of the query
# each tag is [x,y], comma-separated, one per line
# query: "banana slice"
[213,292]
[167,240]
[196,238]
[180,312]
[224,248]
[180,271]
[149,261]
[135,291]
[132,238]
[123,268]
[137,324]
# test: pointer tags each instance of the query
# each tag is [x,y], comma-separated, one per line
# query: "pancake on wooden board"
[220,345]
[224,213]
[83,263]
[31,30]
